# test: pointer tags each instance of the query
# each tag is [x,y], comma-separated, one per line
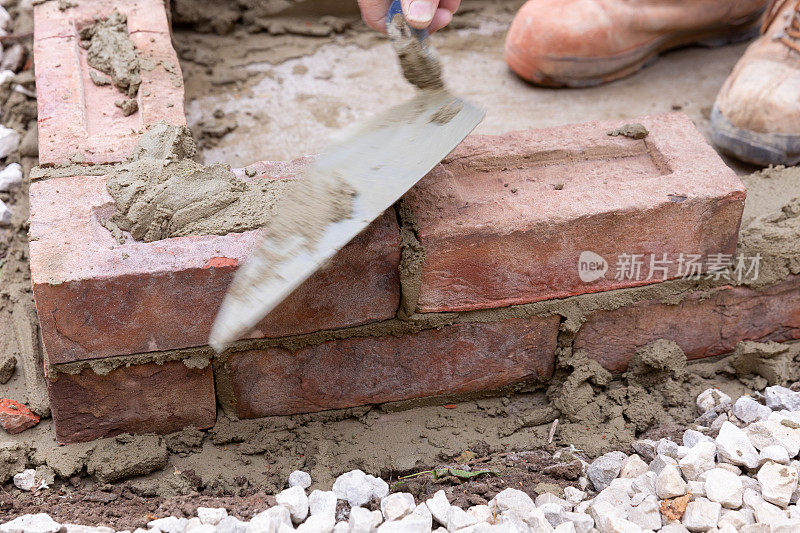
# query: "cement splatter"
[633,131]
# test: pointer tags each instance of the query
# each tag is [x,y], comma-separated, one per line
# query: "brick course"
[144,398]
[453,360]
[504,219]
[703,325]
[98,299]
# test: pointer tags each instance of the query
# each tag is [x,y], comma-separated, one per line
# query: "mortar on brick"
[162,193]
[111,51]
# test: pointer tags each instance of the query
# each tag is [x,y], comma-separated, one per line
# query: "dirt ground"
[279,93]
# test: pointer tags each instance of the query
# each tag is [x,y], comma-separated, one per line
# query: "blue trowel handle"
[396,8]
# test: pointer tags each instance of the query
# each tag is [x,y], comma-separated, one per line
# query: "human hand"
[431,14]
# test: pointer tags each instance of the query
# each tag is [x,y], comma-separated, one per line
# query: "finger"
[450,5]
[374,13]
[419,13]
[441,19]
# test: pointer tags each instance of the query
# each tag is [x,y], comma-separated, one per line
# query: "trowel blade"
[379,160]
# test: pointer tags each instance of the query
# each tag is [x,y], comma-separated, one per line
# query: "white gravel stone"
[699,459]
[199,527]
[231,524]
[668,448]
[317,524]
[458,518]
[691,437]
[632,467]
[775,453]
[31,523]
[646,448]
[724,488]
[377,518]
[696,488]
[322,502]
[582,521]
[361,520]
[482,513]
[778,397]
[701,515]
[9,141]
[670,483]
[646,514]
[734,446]
[565,527]
[422,512]
[512,499]
[168,524]
[341,527]
[409,524]
[26,480]
[602,512]
[737,519]
[549,497]
[712,399]
[778,482]
[573,495]
[358,488]
[658,464]
[605,469]
[618,498]
[396,506]
[776,429]
[211,515]
[298,478]
[296,501]
[748,410]
[438,506]
[674,527]
[270,520]
[10,177]
[645,483]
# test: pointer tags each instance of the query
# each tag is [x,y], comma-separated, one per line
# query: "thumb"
[419,13]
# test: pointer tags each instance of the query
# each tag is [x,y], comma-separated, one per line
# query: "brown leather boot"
[579,43]
[756,117]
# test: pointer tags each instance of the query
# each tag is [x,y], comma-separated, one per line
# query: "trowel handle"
[396,8]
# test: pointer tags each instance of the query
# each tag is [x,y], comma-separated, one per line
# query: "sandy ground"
[291,109]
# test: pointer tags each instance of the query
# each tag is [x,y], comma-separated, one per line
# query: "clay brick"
[97,299]
[15,417]
[78,117]
[147,398]
[456,359]
[701,325]
[504,219]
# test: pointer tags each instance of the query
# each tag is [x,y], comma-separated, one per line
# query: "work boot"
[756,117]
[580,43]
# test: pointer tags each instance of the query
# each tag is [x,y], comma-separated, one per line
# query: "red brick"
[15,417]
[701,325]
[97,299]
[147,398]
[77,116]
[505,218]
[357,371]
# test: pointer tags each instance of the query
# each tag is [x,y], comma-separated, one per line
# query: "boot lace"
[791,34]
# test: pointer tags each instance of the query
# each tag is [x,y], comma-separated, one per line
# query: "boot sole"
[612,68]
[761,149]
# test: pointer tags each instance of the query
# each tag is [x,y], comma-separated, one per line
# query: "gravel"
[737,473]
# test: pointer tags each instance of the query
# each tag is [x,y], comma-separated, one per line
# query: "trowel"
[350,184]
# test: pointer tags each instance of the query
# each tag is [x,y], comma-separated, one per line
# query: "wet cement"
[111,51]
[162,193]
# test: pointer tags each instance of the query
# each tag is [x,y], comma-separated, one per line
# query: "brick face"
[77,116]
[98,299]
[505,218]
[702,325]
[147,398]
[344,373]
